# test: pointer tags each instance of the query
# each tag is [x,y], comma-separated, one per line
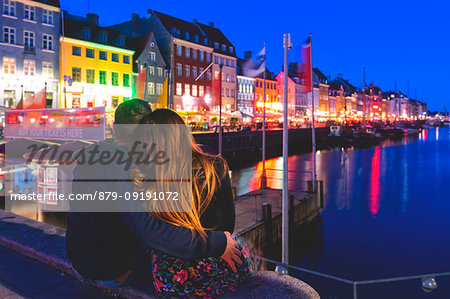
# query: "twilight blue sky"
[394,40]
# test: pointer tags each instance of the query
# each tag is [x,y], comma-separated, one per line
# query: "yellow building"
[95,66]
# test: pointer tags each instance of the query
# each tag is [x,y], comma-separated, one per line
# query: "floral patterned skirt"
[208,277]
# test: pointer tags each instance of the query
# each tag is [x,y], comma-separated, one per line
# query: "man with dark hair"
[109,249]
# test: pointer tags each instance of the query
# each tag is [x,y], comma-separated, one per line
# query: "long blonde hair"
[206,172]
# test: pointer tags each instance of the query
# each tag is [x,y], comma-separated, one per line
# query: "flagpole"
[285,211]
[313,122]
[220,109]
[263,177]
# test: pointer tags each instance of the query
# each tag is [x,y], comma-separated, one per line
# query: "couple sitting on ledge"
[186,254]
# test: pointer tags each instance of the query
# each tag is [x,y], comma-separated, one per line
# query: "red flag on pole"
[139,87]
[33,101]
[216,89]
[305,67]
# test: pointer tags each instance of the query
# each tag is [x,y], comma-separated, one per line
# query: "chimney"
[211,24]
[149,13]
[247,55]
[92,19]
[135,24]
[194,21]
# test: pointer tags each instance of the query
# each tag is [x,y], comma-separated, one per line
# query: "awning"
[240,114]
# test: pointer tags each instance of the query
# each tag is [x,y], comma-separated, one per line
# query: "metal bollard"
[233,191]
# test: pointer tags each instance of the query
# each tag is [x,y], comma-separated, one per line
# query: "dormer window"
[230,49]
[196,38]
[187,35]
[103,37]
[205,41]
[121,41]
[86,33]
[216,45]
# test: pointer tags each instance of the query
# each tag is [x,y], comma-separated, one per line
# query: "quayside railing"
[428,280]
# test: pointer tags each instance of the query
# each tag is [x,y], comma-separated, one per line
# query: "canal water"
[386,214]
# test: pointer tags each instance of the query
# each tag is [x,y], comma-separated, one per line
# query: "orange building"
[272,103]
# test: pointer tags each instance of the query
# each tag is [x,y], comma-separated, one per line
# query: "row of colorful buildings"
[184,65]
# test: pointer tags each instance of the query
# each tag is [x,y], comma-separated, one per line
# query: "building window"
[187,52]
[9,35]
[194,90]
[227,93]
[86,33]
[187,35]
[201,73]
[179,69]
[205,41]
[103,55]
[90,53]
[159,89]
[221,60]
[126,59]
[224,47]
[196,38]
[232,63]
[194,72]
[187,89]
[179,50]
[227,76]
[232,78]
[201,91]
[194,54]
[76,74]
[227,62]
[151,88]
[9,8]
[187,70]
[102,77]
[216,45]
[208,75]
[208,57]
[115,79]
[160,71]
[152,56]
[230,49]
[232,93]
[151,70]
[9,65]
[121,41]
[29,12]
[76,51]
[47,42]
[179,89]
[47,17]
[90,76]
[115,57]
[47,69]
[29,67]
[28,39]
[216,59]
[103,37]
[216,75]
[202,55]
[126,80]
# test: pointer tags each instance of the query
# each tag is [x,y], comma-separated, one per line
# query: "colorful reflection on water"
[386,214]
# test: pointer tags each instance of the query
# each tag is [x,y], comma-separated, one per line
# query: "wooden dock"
[258,214]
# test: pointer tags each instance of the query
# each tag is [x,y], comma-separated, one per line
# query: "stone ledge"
[45,243]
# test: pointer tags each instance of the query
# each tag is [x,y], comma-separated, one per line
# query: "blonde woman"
[210,207]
